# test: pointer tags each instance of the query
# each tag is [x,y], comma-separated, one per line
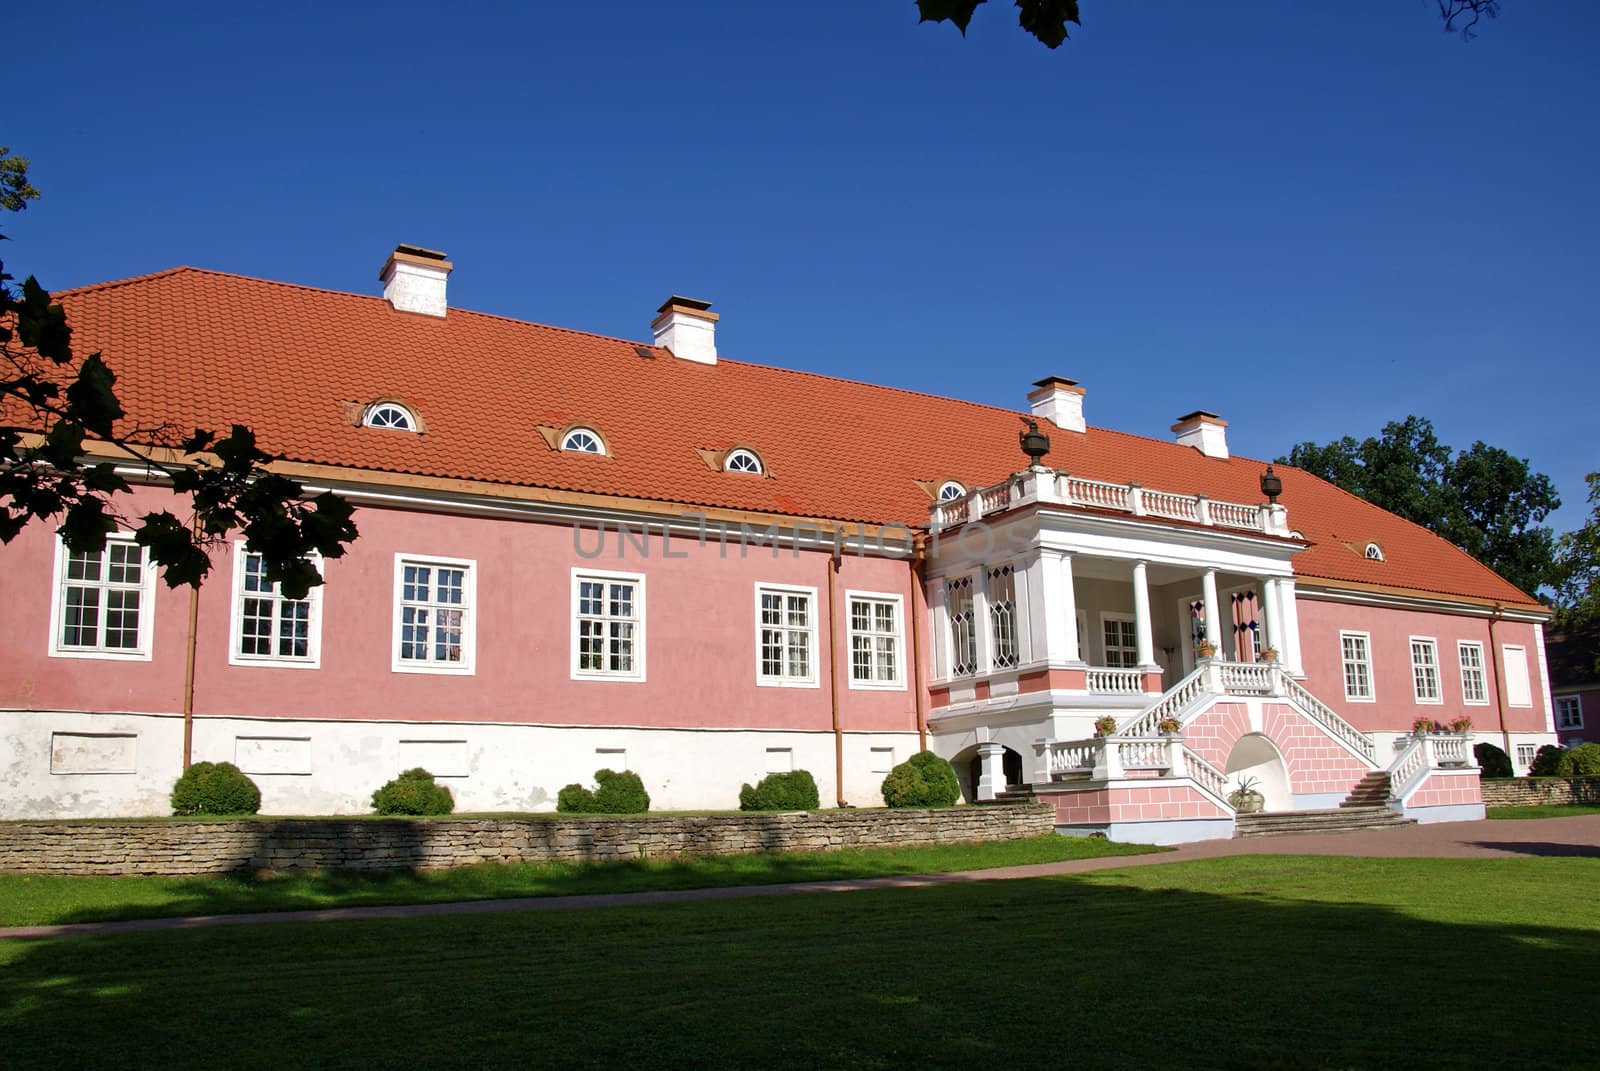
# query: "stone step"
[1337,820]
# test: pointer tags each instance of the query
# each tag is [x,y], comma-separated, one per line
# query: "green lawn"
[1244,962]
[1544,810]
[27,900]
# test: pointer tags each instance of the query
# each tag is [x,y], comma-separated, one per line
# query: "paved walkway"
[1575,836]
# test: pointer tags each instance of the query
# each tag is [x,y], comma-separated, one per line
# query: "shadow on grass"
[1041,972]
[1545,848]
[88,900]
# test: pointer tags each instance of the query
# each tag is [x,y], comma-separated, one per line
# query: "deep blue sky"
[1311,218]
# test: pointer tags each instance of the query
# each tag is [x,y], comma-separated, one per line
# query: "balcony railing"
[1048,487]
[1105,680]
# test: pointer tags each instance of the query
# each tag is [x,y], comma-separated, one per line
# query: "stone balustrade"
[1049,487]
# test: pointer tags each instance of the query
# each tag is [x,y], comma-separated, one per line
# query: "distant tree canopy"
[1047,20]
[1577,580]
[1482,499]
[63,434]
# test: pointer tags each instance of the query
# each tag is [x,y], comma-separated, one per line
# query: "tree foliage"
[63,434]
[1046,20]
[1577,580]
[1484,500]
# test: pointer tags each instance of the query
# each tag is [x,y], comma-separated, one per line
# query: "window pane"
[80,626]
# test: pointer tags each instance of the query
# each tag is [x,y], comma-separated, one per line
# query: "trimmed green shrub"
[215,788]
[923,780]
[1547,761]
[413,792]
[1582,760]
[615,792]
[796,791]
[1493,761]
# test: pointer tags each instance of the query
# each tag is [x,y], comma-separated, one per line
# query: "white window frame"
[1432,644]
[313,658]
[1576,703]
[760,466]
[1521,655]
[951,491]
[637,674]
[412,424]
[812,679]
[1372,677]
[143,652]
[1526,753]
[593,435]
[469,628]
[1462,646]
[1105,652]
[950,639]
[898,683]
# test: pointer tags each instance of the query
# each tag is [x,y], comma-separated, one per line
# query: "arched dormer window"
[742,460]
[1374,552]
[389,415]
[951,490]
[583,441]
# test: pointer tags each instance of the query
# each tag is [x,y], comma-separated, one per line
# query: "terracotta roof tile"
[199,348]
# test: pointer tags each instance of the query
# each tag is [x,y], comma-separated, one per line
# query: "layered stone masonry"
[201,847]
[1532,791]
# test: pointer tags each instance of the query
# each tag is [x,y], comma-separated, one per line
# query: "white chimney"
[413,280]
[1206,432]
[688,328]
[1060,401]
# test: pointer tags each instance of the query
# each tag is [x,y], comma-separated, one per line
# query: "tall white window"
[786,636]
[963,627]
[1569,712]
[269,629]
[875,641]
[1121,641]
[1474,687]
[607,626]
[433,621]
[1002,593]
[103,601]
[1425,670]
[1356,654]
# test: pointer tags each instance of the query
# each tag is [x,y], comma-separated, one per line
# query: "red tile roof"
[204,349]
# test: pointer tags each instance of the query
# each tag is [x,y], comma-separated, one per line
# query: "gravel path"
[1575,836]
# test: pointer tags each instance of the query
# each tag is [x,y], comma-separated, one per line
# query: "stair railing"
[1172,701]
[1325,716]
[1210,780]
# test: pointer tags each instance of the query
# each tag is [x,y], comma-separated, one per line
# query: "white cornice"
[1308,588]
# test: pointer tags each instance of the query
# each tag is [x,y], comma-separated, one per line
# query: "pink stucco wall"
[1314,761]
[1139,804]
[700,636]
[1395,705]
[1444,790]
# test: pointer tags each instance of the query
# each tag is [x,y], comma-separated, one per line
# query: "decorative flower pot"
[1247,802]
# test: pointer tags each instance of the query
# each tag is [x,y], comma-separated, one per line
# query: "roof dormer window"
[583,441]
[742,460]
[1374,552]
[389,415]
[951,490]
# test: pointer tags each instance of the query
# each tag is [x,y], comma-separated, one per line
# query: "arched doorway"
[1255,756]
[969,771]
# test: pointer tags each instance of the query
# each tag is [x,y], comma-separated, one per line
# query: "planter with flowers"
[1105,725]
[1245,799]
[1461,726]
[1205,649]
[1424,727]
[1168,726]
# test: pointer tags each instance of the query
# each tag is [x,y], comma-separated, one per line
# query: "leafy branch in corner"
[65,443]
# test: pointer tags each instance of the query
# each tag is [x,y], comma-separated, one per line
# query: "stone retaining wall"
[158,847]
[1531,791]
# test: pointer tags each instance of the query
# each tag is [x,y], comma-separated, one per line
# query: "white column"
[982,625]
[1290,622]
[1208,587]
[991,771]
[939,622]
[1059,611]
[1141,616]
[1271,600]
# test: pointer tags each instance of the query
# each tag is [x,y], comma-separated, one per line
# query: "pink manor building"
[581,552]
